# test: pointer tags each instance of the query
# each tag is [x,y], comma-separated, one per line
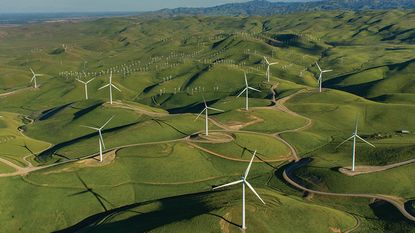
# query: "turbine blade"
[80,81]
[204,101]
[89,127]
[249,166]
[251,88]
[266,60]
[253,190]
[325,71]
[271,64]
[116,87]
[242,92]
[365,141]
[32,71]
[318,67]
[106,123]
[246,79]
[215,109]
[344,141]
[229,184]
[200,114]
[90,80]
[104,87]
[101,139]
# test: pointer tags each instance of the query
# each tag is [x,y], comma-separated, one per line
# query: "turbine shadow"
[226,220]
[168,210]
[244,149]
[160,122]
[97,196]
[28,149]
[46,155]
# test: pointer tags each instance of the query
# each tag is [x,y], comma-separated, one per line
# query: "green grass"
[371,54]
[4,168]
[268,147]
[193,215]
[14,145]
[275,121]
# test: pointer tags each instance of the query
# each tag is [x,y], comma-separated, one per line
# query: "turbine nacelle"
[246,91]
[244,182]
[100,131]
[320,78]
[34,77]
[110,85]
[354,137]
[268,67]
[205,110]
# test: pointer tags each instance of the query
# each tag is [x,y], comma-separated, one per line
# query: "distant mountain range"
[264,8]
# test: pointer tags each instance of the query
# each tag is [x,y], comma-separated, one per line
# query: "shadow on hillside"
[193,108]
[393,219]
[410,207]
[51,112]
[169,210]
[161,122]
[85,111]
[46,155]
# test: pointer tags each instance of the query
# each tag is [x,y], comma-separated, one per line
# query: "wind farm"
[309,113]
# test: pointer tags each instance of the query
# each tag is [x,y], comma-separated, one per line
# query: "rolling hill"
[266,8]
[159,167]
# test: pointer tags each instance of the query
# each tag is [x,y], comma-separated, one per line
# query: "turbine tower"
[86,86]
[354,137]
[110,85]
[268,67]
[320,78]
[207,115]
[246,90]
[34,77]
[100,139]
[244,182]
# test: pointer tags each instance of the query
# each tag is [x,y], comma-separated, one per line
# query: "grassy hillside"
[159,167]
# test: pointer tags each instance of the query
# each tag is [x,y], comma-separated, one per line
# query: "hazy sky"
[102,5]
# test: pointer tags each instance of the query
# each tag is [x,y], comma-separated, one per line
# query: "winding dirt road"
[291,179]
[287,174]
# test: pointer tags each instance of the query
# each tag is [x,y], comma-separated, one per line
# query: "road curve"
[292,180]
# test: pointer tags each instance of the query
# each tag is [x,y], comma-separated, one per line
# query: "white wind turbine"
[246,90]
[354,137]
[34,77]
[101,139]
[110,85]
[86,86]
[320,78]
[268,67]
[244,182]
[207,115]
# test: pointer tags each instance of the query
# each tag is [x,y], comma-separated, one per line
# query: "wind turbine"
[86,86]
[354,137]
[207,115]
[246,90]
[34,77]
[268,67]
[101,139]
[320,78]
[110,85]
[244,182]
